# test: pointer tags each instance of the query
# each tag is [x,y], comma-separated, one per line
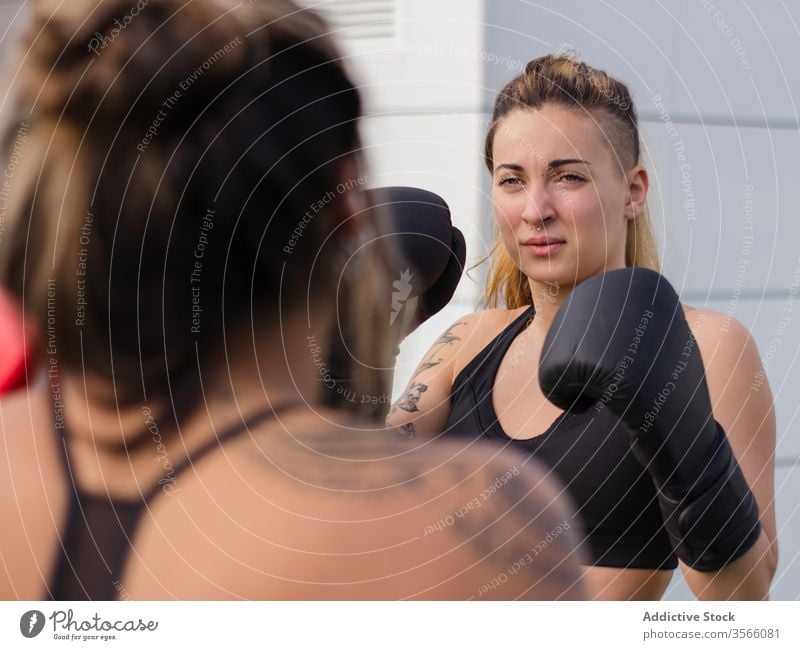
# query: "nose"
[539,207]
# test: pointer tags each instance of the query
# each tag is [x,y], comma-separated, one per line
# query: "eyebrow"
[552,165]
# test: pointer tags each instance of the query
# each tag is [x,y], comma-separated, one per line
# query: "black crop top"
[94,547]
[588,453]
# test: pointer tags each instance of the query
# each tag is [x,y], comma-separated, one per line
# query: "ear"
[638,184]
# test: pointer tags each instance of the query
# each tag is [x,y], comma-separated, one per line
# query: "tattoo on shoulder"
[448,338]
[512,525]
[425,365]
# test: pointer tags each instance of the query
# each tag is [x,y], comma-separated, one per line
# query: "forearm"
[746,578]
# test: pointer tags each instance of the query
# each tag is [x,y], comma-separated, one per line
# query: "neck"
[272,365]
[113,449]
[549,296]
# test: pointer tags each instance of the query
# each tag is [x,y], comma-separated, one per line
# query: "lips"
[544,246]
[542,241]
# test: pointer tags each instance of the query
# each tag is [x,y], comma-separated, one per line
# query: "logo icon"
[31,623]
[400,294]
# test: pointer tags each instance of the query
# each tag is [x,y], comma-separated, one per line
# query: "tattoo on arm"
[412,394]
[406,431]
[408,400]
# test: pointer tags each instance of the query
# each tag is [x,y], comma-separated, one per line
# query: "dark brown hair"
[164,143]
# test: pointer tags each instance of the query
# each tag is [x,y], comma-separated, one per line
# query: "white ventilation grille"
[358,19]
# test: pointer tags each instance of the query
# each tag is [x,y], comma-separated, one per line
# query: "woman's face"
[554,167]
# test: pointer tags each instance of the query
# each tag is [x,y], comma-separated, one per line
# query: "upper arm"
[742,403]
[424,405]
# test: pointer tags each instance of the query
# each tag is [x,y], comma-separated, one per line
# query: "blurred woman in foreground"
[177,442]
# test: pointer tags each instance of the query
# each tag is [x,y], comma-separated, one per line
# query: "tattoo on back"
[488,504]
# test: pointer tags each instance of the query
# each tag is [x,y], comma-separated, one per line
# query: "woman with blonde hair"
[574,270]
[181,214]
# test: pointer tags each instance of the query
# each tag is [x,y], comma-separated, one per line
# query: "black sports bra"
[589,454]
[98,536]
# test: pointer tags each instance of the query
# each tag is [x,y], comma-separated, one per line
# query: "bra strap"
[217,441]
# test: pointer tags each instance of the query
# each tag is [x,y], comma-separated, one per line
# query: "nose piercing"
[538,227]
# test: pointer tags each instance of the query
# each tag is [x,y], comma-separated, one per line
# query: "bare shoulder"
[479,328]
[15,405]
[486,320]
[717,332]
[469,334]
[358,514]
[734,369]
[712,319]
[14,431]
[32,495]
[17,413]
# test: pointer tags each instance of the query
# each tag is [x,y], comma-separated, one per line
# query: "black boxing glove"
[620,341]
[423,256]
[425,252]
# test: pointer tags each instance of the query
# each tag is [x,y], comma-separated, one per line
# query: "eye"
[570,178]
[510,180]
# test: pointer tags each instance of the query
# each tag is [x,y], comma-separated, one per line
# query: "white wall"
[424,126]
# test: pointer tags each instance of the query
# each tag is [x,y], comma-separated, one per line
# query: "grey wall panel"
[730,206]
[737,59]
[725,62]
[787,511]
[609,35]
